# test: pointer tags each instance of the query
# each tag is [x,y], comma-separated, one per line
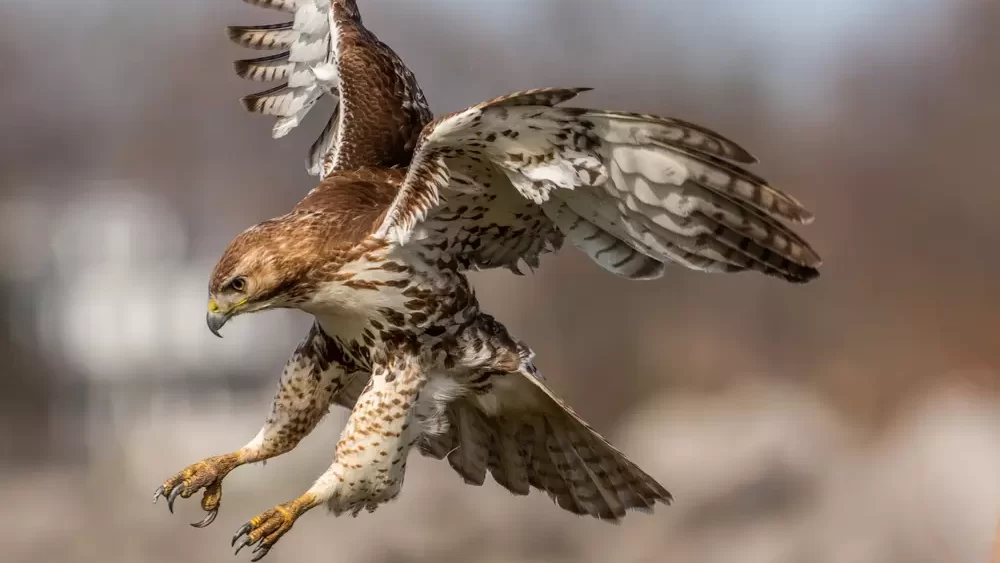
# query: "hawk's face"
[257,272]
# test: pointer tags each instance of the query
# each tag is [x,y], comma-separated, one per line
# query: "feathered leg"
[370,459]
[313,376]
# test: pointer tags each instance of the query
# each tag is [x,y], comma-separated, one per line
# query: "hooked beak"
[216,320]
[217,317]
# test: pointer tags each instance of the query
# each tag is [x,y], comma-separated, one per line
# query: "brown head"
[281,262]
[264,267]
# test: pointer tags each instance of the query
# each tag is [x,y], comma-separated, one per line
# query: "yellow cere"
[213,307]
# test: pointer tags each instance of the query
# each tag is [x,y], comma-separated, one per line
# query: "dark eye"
[238,284]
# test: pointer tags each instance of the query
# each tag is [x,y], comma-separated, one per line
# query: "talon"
[157,494]
[246,528]
[207,519]
[173,496]
[260,555]
[245,543]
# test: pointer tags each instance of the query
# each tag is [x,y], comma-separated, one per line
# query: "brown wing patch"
[379,107]
[384,107]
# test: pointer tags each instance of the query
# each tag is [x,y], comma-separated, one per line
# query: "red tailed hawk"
[379,250]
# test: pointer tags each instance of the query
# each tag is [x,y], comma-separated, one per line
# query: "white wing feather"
[307,67]
[632,191]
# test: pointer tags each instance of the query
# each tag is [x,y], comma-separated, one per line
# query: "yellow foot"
[206,474]
[266,528]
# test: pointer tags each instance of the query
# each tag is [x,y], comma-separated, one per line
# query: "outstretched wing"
[529,438]
[379,108]
[634,192]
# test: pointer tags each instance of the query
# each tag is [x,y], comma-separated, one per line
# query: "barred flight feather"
[640,127]
[271,68]
[263,37]
[628,189]
[536,440]
[327,51]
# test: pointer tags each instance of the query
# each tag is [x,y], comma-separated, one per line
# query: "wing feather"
[528,437]
[633,191]
[263,37]
[327,51]
[631,127]
[303,66]
[272,68]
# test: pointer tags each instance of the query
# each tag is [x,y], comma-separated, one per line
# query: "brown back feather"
[352,203]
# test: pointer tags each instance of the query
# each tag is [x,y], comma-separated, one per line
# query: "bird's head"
[261,269]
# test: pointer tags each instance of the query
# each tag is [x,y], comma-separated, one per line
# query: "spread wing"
[509,178]
[379,108]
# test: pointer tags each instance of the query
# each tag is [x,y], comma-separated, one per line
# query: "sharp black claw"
[245,543]
[173,496]
[246,528]
[263,552]
[157,494]
[207,519]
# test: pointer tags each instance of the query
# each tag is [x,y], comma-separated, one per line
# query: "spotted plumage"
[379,254]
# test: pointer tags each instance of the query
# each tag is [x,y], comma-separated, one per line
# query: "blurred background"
[854,419]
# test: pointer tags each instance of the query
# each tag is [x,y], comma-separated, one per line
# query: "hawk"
[378,253]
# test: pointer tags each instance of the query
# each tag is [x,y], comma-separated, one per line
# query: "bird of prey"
[378,253]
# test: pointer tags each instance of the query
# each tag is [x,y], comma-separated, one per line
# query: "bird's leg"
[370,459]
[311,378]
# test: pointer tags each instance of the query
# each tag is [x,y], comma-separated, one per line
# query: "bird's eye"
[238,284]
